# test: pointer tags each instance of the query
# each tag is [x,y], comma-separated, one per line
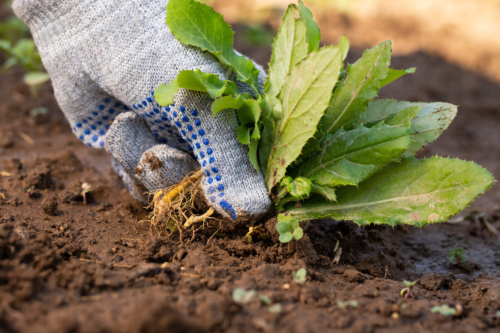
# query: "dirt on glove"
[100,267]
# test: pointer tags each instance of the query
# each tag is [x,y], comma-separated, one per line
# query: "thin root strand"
[198,219]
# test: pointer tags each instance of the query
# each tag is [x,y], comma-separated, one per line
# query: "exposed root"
[197,219]
[174,207]
[2,196]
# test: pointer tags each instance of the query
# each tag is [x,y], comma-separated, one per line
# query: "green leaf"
[313,32]
[394,74]
[298,233]
[242,296]
[205,82]
[410,192]
[457,256]
[289,48]
[198,81]
[348,158]
[264,299]
[282,227]
[285,218]
[304,97]
[286,237]
[196,24]
[243,134]
[389,111]
[226,102]
[327,192]
[445,310]
[409,284]
[431,121]
[300,276]
[294,224]
[249,112]
[6,46]
[36,78]
[300,188]
[165,93]
[351,97]
[344,46]
[252,153]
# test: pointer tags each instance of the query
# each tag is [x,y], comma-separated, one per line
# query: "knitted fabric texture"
[107,57]
[134,147]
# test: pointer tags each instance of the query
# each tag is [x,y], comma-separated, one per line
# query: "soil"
[66,266]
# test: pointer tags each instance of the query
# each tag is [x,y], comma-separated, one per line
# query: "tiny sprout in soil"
[445,310]
[242,296]
[407,291]
[264,299]
[86,188]
[457,256]
[275,308]
[300,276]
[345,304]
[289,229]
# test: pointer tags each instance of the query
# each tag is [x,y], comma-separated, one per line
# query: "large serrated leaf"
[304,98]
[389,111]
[348,158]
[431,121]
[410,192]
[197,24]
[351,97]
[313,31]
[195,80]
[290,47]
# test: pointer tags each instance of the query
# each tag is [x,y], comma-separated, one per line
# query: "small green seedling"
[86,188]
[300,276]
[457,256]
[29,190]
[39,111]
[407,291]
[264,299]
[275,308]
[242,296]
[288,228]
[445,310]
[272,308]
[498,314]
[345,304]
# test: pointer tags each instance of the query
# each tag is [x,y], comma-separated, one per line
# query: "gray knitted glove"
[106,57]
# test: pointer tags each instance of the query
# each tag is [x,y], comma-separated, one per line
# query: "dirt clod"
[49,205]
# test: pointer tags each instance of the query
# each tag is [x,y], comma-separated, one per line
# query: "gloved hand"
[106,58]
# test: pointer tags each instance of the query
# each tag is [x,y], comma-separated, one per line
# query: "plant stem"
[281,194]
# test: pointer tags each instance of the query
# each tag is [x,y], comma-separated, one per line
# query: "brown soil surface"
[70,267]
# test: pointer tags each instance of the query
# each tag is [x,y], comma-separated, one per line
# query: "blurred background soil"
[70,267]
